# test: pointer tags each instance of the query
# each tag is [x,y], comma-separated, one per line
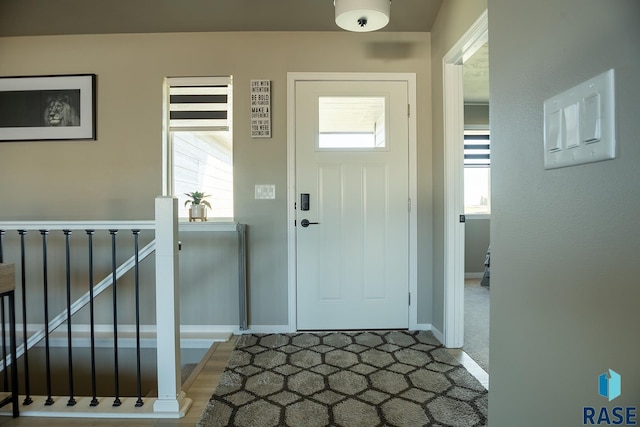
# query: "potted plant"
[199,205]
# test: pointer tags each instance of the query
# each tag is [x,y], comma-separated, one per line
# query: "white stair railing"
[80,303]
[171,401]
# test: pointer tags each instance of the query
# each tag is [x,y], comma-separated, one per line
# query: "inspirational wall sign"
[260,108]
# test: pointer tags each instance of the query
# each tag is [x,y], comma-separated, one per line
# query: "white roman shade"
[477,150]
[199,103]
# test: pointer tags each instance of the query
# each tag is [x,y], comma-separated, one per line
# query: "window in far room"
[477,172]
[200,136]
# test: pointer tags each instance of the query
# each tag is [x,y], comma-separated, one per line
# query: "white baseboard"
[191,336]
[423,327]
[267,329]
[474,275]
[284,329]
[82,409]
[436,333]
[252,329]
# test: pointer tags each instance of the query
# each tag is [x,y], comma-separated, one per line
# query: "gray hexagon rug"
[346,379]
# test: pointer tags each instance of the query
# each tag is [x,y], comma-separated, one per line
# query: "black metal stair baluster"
[14,356]
[67,238]
[5,378]
[27,384]
[44,234]
[116,401]
[136,234]
[94,400]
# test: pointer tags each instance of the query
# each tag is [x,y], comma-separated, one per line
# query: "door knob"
[305,223]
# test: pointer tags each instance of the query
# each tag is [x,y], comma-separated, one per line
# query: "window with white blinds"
[477,172]
[199,103]
[201,141]
[477,149]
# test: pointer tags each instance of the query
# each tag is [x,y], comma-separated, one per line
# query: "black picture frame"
[48,108]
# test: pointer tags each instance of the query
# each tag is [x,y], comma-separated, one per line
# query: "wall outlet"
[264,192]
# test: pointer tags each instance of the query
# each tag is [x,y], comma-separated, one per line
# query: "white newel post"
[171,399]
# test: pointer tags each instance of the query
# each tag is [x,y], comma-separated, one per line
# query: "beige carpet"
[476,322]
[348,379]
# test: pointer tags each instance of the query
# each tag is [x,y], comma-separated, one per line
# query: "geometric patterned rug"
[346,379]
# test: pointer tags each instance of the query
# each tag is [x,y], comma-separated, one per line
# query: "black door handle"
[306,223]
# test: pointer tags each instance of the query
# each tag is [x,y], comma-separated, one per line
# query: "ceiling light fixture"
[362,15]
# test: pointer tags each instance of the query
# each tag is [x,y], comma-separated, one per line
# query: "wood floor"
[199,387]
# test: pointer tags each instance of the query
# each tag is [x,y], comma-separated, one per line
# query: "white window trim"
[167,140]
[167,147]
[478,130]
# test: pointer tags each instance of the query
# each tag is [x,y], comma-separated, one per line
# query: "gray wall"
[119,175]
[564,286]
[454,18]
[476,114]
[476,242]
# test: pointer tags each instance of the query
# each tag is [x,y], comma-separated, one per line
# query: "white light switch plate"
[579,124]
[265,192]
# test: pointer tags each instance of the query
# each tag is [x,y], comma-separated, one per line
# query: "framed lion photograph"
[47,108]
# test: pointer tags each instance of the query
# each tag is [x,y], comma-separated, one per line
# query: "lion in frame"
[59,112]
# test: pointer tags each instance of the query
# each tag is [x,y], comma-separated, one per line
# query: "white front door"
[352,214]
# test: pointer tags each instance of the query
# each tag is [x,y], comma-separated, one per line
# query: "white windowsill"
[212,224]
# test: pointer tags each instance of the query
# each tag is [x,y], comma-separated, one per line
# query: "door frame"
[453,100]
[410,79]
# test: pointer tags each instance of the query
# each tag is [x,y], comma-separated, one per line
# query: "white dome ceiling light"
[362,15]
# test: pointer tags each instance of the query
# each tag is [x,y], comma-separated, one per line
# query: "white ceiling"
[475,73]
[48,17]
